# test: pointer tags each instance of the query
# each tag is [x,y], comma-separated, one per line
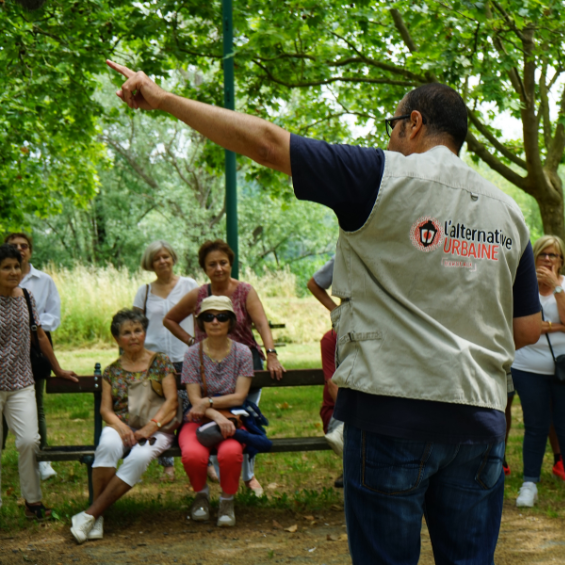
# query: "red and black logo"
[426,234]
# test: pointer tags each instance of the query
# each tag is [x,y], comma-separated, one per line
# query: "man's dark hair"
[8,251]
[442,108]
[127,315]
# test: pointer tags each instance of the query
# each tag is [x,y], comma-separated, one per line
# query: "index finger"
[128,73]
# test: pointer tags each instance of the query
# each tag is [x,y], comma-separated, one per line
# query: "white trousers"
[111,449]
[20,410]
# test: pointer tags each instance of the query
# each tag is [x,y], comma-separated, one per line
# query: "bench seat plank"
[280,445]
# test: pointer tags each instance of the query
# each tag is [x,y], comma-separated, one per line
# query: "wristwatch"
[158,423]
[558,289]
[271,351]
[211,401]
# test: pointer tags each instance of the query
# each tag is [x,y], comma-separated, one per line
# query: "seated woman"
[227,368]
[136,363]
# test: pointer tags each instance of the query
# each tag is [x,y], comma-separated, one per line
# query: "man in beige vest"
[435,274]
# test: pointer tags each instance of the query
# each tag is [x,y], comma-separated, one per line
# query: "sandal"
[37,512]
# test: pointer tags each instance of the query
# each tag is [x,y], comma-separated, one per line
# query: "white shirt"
[537,358]
[46,296]
[158,337]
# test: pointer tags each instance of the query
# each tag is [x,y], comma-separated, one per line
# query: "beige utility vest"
[426,285]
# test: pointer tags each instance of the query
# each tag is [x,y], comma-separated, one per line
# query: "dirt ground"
[261,536]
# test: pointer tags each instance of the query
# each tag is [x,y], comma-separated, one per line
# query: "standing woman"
[154,300]
[216,259]
[541,395]
[17,390]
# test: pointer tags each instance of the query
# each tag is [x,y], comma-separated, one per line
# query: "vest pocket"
[392,466]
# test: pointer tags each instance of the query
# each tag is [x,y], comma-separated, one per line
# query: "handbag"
[559,360]
[40,365]
[226,413]
[145,398]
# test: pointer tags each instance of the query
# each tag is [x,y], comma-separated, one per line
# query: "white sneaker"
[528,495]
[82,524]
[335,439]
[226,513]
[97,531]
[45,470]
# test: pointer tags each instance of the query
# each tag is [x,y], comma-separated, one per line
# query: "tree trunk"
[550,201]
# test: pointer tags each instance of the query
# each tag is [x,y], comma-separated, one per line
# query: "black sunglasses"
[144,440]
[209,317]
[391,122]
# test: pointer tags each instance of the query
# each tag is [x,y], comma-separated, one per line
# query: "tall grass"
[90,296]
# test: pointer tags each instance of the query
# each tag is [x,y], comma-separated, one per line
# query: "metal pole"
[229,103]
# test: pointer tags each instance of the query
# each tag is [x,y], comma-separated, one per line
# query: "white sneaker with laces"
[226,513]
[97,531]
[45,470]
[335,439]
[82,524]
[528,495]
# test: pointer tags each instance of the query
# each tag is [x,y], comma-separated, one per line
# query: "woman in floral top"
[135,364]
[228,370]
[17,387]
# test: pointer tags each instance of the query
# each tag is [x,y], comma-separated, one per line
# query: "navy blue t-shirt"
[346,179]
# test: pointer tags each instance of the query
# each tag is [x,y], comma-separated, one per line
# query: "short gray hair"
[152,250]
[127,315]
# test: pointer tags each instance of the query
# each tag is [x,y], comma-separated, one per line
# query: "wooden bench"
[93,385]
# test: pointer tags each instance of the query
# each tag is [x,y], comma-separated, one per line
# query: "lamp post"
[229,103]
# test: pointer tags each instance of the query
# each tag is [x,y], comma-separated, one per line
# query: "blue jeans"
[390,483]
[541,397]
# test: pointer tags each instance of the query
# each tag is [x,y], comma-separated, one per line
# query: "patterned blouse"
[15,336]
[242,332]
[221,376]
[119,379]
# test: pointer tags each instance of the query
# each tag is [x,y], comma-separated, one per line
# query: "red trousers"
[195,459]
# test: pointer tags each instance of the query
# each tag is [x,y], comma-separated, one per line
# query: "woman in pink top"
[216,259]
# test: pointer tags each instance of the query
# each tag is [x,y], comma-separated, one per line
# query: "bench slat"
[262,379]
[280,445]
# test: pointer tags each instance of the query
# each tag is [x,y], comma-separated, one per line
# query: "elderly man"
[435,273]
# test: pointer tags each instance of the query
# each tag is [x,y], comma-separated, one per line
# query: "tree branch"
[500,147]
[511,176]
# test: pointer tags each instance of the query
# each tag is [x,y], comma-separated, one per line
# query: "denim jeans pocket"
[392,466]
[490,466]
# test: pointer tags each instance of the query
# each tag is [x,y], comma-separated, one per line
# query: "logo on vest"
[426,234]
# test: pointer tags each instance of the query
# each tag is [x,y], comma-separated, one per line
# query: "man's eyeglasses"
[208,317]
[550,256]
[390,123]
[22,246]
[144,440]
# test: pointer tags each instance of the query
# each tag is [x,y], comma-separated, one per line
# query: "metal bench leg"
[88,460]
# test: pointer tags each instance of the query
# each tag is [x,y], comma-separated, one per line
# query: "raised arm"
[178,313]
[265,143]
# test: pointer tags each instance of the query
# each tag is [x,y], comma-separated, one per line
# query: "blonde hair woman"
[541,395]
[154,300]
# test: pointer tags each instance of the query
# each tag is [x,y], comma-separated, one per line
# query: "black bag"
[40,366]
[559,361]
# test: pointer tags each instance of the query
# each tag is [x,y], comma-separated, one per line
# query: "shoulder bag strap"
[547,337]
[202,376]
[32,324]
[209,287]
[145,302]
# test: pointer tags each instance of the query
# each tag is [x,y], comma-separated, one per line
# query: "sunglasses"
[144,440]
[208,317]
[22,246]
